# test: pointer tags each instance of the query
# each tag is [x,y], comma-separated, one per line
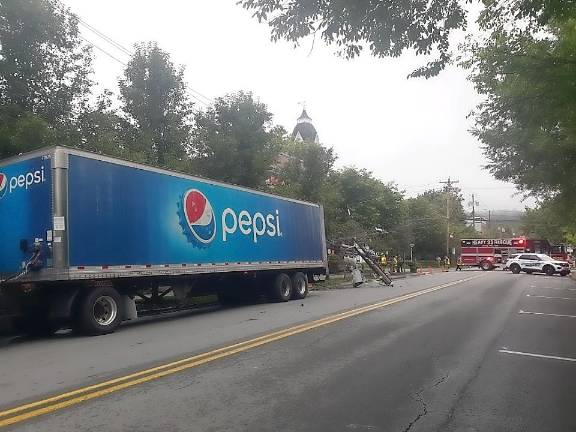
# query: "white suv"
[540,263]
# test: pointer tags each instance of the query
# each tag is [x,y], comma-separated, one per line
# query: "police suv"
[537,263]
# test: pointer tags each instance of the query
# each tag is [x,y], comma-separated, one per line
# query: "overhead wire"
[102,50]
[103,36]
[198,96]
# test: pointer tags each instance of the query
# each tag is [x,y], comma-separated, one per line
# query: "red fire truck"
[491,253]
[560,252]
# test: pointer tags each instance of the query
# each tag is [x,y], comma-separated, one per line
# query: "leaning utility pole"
[448,184]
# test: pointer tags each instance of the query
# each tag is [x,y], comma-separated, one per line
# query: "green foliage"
[303,169]
[427,221]
[44,66]
[234,140]
[154,100]
[427,224]
[552,220]
[22,131]
[359,205]
[389,28]
[386,28]
[527,121]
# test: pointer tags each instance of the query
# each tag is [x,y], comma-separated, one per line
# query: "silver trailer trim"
[60,249]
[112,272]
[30,155]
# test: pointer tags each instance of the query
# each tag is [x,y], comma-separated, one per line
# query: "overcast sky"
[413,132]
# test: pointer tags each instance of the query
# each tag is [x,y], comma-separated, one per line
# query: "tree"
[427,220]
[22,131]
[527,122]
[360,205]
[388,28]
[427,225]
[234,140]
[44,65]
[305,171]
[551,220]
[101,129]
[154,101]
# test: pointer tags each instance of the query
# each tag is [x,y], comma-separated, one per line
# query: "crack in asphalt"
[418,397]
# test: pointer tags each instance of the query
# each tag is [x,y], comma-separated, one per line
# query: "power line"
[102,50]
[201,95]
[103,36]
[201,98]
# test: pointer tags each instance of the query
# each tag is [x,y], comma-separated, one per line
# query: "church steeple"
[304,129]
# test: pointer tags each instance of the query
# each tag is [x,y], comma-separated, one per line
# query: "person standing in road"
[395,264]
[439,261]
[383,261]
[459,264]
[446,263]
[400,264]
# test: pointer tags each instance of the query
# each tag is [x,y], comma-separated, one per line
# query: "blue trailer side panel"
[122,215]
[25,209]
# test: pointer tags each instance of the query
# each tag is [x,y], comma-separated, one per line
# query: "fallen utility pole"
[375,267]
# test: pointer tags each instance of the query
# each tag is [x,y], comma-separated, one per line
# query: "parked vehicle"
[538,263]
[489,254]
[90,241]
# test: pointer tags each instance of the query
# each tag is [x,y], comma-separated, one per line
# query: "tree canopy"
[44,64]
[155,102]
[234,140]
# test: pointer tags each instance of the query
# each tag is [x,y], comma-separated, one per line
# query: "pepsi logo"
[199,215]
[3,184]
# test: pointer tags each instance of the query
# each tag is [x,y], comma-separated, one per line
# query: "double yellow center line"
[64,400]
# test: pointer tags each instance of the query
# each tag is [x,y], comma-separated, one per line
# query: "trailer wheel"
[281,289]
[299,286]
[99,311]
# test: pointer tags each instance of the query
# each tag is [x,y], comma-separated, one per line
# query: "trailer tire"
[299,286]
[515,268]
[281,289]
[99,311]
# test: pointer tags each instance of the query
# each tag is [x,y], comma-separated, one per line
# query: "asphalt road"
[493,353]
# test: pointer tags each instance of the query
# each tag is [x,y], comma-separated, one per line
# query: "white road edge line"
[546,314]
[553,288]
[547,297]
[568,359]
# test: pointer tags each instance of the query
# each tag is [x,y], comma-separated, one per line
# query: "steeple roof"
[304,129]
